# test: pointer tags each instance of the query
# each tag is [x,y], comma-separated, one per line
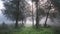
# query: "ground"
[29,30]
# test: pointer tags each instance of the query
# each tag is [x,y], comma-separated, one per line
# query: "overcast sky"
[1,6]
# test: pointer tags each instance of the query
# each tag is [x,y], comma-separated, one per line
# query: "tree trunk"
[32,15]
[46,20]
[25,21]
[17,14]
[37,15]
[22,22]
[47,16]
[37,21]
[16,24]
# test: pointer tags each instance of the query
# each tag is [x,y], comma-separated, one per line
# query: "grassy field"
[29,30]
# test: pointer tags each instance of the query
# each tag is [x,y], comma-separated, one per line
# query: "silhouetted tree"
[32,14]
[37,14]
[51,13]
[14,10]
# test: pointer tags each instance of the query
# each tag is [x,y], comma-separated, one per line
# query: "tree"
[47,15]
[32,15]
[37,14]
[53,5]
[56,4]
[46,9]
[14,10]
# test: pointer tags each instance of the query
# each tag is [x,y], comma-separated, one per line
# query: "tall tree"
[14,10]
[32,14]
[52,13]
[47,15]
[37,14]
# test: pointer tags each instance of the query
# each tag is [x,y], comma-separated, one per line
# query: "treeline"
[19,10]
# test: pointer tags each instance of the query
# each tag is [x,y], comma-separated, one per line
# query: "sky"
[1,6]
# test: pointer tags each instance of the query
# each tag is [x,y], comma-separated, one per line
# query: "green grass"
[30,30]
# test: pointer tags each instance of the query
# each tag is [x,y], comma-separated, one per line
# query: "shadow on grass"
[56,30]
[10,30]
